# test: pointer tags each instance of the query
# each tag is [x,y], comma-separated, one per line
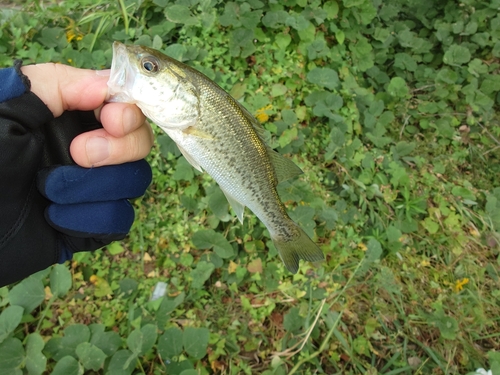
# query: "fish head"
[159,85]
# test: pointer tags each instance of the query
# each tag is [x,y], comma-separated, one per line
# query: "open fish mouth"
[121,75]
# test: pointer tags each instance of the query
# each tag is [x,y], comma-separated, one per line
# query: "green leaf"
[447,76]
[201,274]
[304,216]
[218,203]
[405,61]
[331,8]
[73,336]
[292,321]
[9,320]
[60,280]
[183,171]
[28,294]
[448,327]
[278,89]
[230,15]
[67,366]
[176,51]
[169,304]
[108,342]
[11,354]
[167,145]
[462,192]
[496,49]
[142,340]
[404,148]
[361,346]
[35,360]
[398,88]
[456,55]
[430,225]
[324,77]
[178,13]
[115,248]
[178,367]
[340,36]
[283,40]
[189,372]
[372,255]
[195,341]
[288,136]
[393,234]
[91,357]
[170,343]
[208,238]
[52,37]
[374,250]
[274,19]
[352,3]
[120,364]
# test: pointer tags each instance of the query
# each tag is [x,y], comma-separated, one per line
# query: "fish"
[216,134]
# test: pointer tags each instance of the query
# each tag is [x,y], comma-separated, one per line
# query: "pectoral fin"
[237,206]
[191,130]
[190,159]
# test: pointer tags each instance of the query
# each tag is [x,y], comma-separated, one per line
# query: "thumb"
[62,87]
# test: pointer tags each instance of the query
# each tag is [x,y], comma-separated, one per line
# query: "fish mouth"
[121,78]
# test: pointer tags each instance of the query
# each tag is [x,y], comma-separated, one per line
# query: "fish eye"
[150,64]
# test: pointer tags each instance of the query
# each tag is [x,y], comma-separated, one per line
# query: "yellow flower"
[70,35]
[425,263]
[261,115]
[459,284]
[362,246]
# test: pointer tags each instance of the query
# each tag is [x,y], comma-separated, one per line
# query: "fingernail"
[103,73]
[129,119]
[97,149]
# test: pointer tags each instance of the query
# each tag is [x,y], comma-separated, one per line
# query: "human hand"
[125,136]
[52,208]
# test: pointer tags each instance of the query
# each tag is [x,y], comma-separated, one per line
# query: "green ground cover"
[389,107]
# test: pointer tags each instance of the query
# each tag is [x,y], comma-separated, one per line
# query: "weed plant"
[390,108]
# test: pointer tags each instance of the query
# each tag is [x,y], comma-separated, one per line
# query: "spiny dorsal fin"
[257,126]
[285,168]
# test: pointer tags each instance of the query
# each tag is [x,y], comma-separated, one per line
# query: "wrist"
[14,82]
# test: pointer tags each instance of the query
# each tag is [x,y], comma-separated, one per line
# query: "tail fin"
[301,247]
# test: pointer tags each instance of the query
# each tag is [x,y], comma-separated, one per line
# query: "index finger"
[120,119]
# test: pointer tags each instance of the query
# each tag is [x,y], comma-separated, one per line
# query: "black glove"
[51,207]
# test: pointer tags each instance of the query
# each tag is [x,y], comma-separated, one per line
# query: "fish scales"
[215,134]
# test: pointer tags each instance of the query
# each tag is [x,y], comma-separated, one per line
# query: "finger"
[98,147]
[72,184]
[109,220]
[120,119]
[63,87]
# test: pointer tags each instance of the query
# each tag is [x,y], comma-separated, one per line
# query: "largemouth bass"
[215,134]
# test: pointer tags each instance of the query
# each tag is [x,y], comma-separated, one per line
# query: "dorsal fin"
[285,168]
[259,129]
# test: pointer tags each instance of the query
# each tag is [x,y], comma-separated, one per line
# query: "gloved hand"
[90,207]
[51,207]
